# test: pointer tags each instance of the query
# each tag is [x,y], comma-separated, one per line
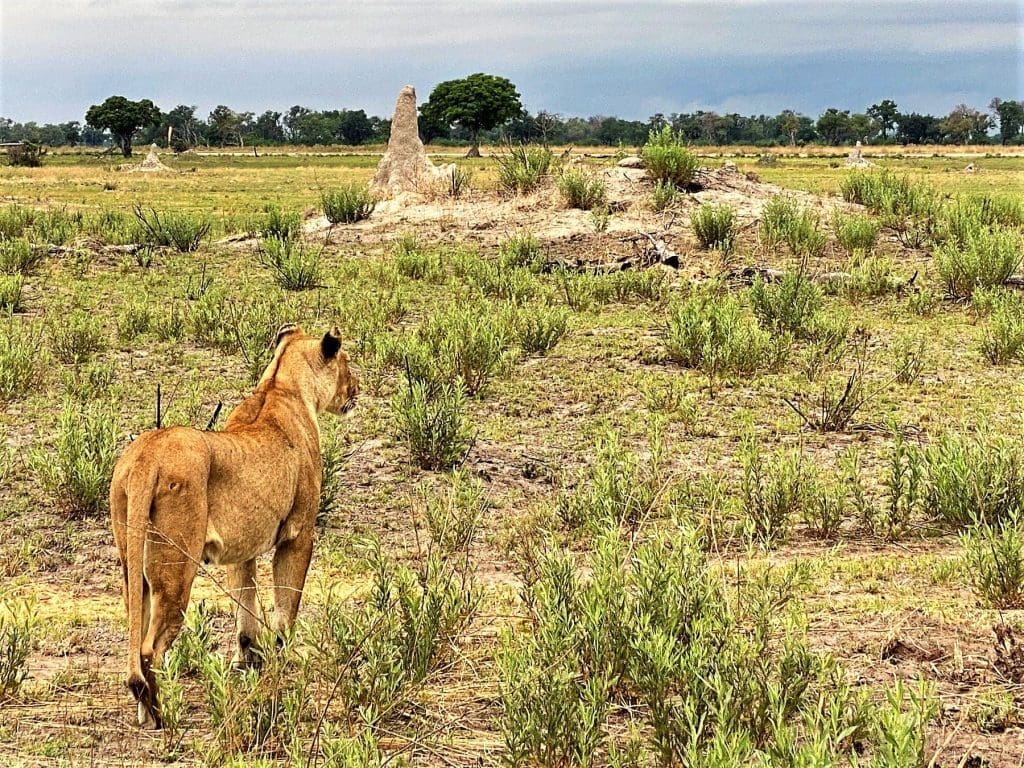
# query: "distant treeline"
[881,123]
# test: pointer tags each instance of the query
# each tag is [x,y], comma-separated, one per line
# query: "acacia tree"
[475,103]
[123,117]
[1011,118]
[885,114]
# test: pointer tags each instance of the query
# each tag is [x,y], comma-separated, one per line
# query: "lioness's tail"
[140,488]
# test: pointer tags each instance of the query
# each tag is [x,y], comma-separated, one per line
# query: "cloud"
[579,57]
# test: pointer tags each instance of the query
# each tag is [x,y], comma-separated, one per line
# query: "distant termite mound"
[151,163]
[405,166]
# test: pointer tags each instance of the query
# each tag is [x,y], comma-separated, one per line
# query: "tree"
[917,129]
[476,103]
[789,121]
[1011,118]
[834,126]
[884,113]
[965,125]
[123,118]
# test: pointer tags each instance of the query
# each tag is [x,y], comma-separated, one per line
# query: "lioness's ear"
[330,343]
[285,330]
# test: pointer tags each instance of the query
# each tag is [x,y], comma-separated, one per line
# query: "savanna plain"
[761,505]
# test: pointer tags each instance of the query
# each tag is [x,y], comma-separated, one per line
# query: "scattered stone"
[970,168]
[405,166]
[631,161]
[856,159]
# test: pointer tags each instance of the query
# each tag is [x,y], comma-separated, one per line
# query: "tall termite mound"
[405,166]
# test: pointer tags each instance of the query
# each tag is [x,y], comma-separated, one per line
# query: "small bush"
[714,335]
[295,265]
[908,358]
[333,452]
[348,203]
[791,304]
[19,358]
[454,514]
[539,327]
[27,154]
[431,422]
[856,232]
[416,261]
[18,630]
[134,319]
[77,337]
[1003,340]
[115,227]
[773,490]
[78,468]
[986,260]
[278,223]
[56,226]
[10,293]
[522,249]
[182,230]
[18,257]
[14,220]
[715,226]
[994,562]
[581,189]
[667,159]
[870,278]
[458,182]
[663,196]
[523,168]
[785,221]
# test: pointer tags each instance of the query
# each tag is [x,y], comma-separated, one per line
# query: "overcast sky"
[587,57]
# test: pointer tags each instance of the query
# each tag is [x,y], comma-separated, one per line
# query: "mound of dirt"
[405,167]
[151,164]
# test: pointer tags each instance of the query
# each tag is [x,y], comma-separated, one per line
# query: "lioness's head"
[335,382]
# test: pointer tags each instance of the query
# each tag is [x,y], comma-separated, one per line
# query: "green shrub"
[416,261]
[458,181]
[791,304]
[785,221]
[295,265]
[667,159]
[114,227]
[14,220]
[19,358]
[856,232]
[278,223]
[523,168]
[715,226]
[714,335]
[10,293]
[999,210]
[348,203]
[994,562]
[973,478]
[581,189]
[77,337]
[18,257]
[78,468]
[774,491]
[522,249]
[333,451]
[134,319]
[454,514]
[870,278]
[56,226]
[1003,340]
[663,196]
[988,258]
[431,422]
[182,230]
[18,633]
[961,221]
[539,327]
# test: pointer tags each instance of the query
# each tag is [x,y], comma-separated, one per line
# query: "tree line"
[487,108]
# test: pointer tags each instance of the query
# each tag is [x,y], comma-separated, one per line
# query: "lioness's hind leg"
[291,561]
[242,583]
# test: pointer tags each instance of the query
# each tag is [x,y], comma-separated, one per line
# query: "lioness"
[181,496]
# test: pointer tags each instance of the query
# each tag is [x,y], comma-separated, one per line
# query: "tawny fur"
[180,497]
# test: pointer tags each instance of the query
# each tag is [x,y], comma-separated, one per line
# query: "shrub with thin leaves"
[1003,339]
[333,453]
[458,181]
[77,337]
[987,259]
[790,304]
[522,249]
[539,327]
[715,335]
[18,257]
[416,260]
[454,513]
[19,626]
[784,221]
[134,319]
[10,293]
[182,230]
[667,158]
[56,226]
[663,196]
[430,420]
[77,468]
[856,232]
[523,168]
[715,226]
[296,266]
[775,490]
[581,189]
[14,220]
[279,223]
[19,358]
[994,561]
[348,203]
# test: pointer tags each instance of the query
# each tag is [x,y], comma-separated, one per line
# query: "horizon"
[584,59]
